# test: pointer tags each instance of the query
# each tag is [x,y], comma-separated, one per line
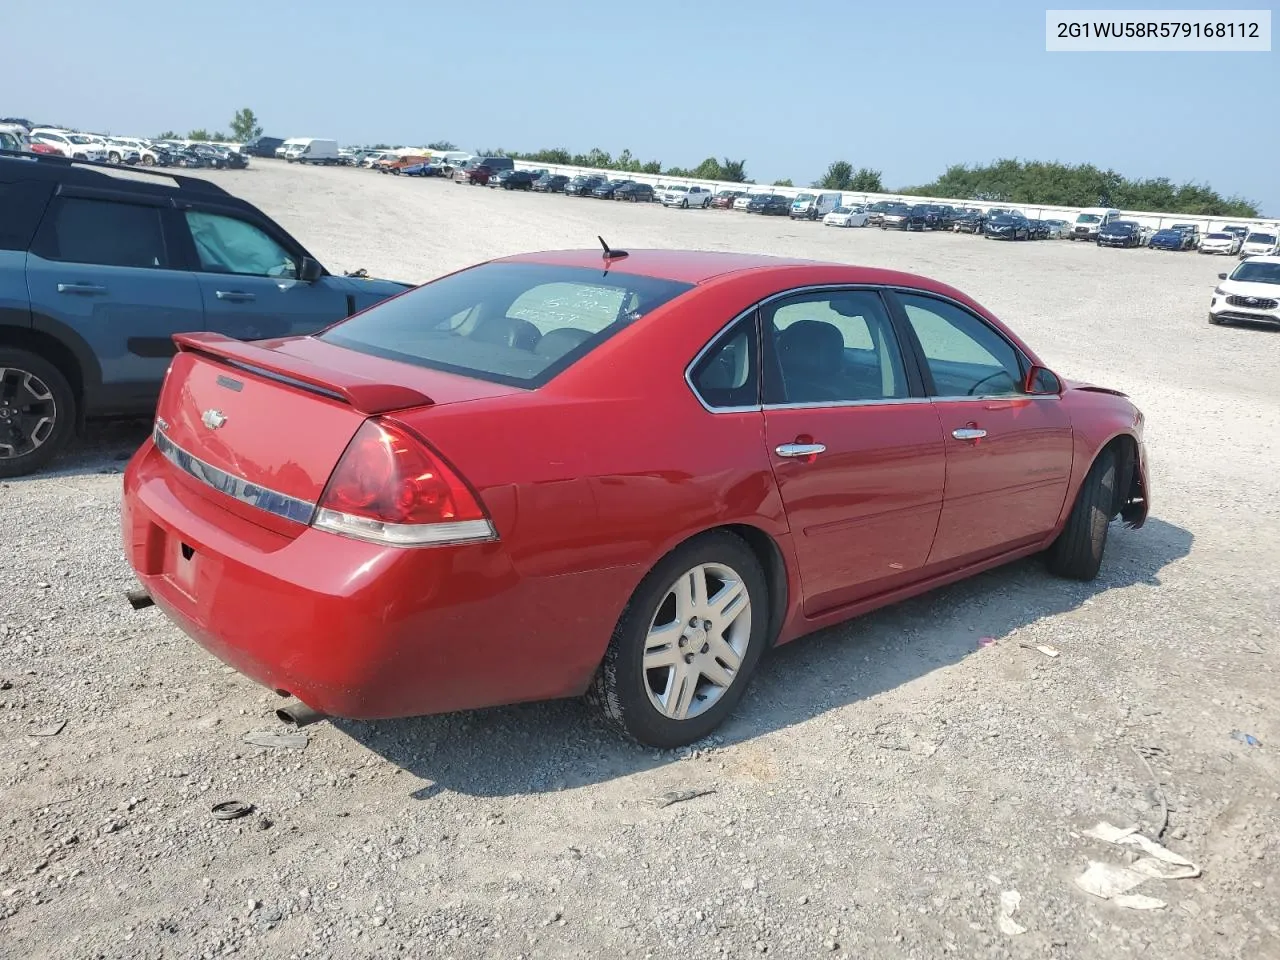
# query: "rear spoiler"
[367,396]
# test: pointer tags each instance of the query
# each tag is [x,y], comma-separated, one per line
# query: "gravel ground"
[882,786]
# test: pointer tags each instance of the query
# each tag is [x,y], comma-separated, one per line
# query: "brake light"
[390,488]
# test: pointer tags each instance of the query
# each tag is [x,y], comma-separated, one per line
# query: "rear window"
[514,323]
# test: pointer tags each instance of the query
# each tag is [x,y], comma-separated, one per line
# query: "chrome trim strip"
[825,404]
[273,502]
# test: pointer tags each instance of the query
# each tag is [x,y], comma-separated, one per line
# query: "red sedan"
[558,474]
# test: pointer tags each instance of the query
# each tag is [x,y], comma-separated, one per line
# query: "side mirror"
[309,271]
[1042,382]
[1222,276]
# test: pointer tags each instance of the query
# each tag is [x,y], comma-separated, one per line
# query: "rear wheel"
[1077,553]
[37,412]
[683,651]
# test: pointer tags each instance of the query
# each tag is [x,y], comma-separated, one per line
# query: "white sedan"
[847,217]
[1223,243]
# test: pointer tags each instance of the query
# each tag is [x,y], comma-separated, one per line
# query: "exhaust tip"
[139,599]
[299,715]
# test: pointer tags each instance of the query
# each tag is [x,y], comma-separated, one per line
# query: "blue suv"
[98,272]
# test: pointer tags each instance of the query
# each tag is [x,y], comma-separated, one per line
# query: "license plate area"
[181,565]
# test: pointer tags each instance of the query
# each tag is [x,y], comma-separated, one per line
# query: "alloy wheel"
[696,643]
[28,412]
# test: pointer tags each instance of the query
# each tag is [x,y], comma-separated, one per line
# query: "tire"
[623,692]
[30,374]
[113,157]
[684,204]
[1077,553]
[148,160]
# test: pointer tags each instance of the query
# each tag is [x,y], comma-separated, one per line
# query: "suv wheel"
[37,412]
[113,157]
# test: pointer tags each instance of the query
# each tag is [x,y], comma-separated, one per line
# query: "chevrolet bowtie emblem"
[213,419]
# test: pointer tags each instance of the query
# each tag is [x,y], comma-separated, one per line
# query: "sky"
[904,87]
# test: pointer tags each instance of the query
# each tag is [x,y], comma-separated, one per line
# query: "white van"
[1090,220]
[293,143]
[813,206]
[312,150]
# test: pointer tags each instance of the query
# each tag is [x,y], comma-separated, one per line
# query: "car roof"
[702,266]
[53,169]
[1267,259]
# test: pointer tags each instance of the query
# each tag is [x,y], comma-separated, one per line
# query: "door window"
[965,356]
[727,375]
[832,347]
[229,245]
[102,232]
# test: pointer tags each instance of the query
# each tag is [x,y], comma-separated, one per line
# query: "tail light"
[391,488]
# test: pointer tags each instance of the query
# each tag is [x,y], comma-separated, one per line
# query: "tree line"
[1029,182]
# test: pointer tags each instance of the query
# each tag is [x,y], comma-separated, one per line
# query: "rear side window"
[514,323]
[727,375]
[103,232]
[20,206]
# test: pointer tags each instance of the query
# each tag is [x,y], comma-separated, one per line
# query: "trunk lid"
[259,427]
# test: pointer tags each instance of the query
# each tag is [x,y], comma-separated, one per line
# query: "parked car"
[937,216]
[14,137]
[1120,233]
[1241,232]
[813,206]
[1192,230]
[1261,244]
[877,210]
[551,183]
[1060,228]
[744,201]
[725,198]
[476,174]
[582,185]
[1221,242]
[1251,293]
[1169,239]
[1008,226]
[664,565]
[635,193]
[422,168]
[681,196]
[770,205]
[896,217]
[74,145]
[606,190]
[847,217]
[261,146]
[970,221]
[158,256]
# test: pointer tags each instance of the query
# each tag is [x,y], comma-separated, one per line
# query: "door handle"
[235,296]
[89,288]
[800,449]
[969,433]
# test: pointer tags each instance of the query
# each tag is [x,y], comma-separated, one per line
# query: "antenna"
[611,254]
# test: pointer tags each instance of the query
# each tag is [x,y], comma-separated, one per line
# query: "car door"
[249,277]
[1008,454]
[856,448]
[101,269]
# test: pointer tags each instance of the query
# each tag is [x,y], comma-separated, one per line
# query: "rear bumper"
[354,629]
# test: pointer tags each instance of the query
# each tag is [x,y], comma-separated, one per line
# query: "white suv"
[1251,292]
[1258,244]
[75,145]
[678,196]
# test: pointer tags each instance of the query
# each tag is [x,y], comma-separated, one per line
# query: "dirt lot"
[882,786]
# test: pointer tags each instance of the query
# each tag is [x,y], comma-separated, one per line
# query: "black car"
[770,205]
[635,193]
[1041,230]
[517,179]
[606,190]
[937,216]
[261,146]
[1120,233]
[969,221]
[551,183]
[903,217]
[1008,226]
[582,185]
